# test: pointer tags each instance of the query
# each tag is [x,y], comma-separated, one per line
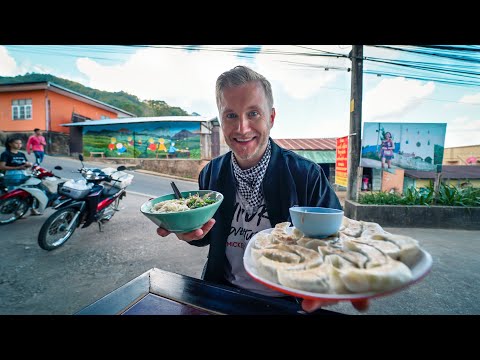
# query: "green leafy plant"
[447,195]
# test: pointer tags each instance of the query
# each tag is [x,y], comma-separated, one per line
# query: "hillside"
[120,99]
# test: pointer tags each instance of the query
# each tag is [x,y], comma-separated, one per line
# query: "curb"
[163,175]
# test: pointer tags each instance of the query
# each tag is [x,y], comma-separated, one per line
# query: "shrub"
[447,195]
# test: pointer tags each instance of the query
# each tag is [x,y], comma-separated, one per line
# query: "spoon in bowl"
[177,193]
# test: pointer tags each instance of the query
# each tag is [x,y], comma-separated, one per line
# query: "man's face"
[38,133]
[246,121]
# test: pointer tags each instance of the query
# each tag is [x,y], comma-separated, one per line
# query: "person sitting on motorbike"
[14,163]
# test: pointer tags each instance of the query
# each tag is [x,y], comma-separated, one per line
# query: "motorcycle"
[38,192]
[3,187]
[95,200]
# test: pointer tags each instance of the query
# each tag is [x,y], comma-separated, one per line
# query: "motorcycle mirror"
[80,157]
[58,167]
[121,168]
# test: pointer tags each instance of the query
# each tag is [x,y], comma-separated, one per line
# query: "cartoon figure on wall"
[130,141]
[161,145]
[172,149]
[111,146]
[121,149]
[152,146]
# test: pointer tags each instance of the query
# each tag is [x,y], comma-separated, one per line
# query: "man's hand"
[192,235]
[312,305]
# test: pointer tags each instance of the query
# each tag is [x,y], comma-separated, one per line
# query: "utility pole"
[355,136]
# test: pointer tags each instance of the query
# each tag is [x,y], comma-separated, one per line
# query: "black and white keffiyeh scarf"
[249,181]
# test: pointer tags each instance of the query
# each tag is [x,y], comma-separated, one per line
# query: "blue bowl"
[316,222]
[183,221]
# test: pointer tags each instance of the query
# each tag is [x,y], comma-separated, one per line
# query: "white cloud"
[394,97]
[301,76]
[471,99]
[8,65]
[183,78]
[462,131]
[176,76]
[463,124]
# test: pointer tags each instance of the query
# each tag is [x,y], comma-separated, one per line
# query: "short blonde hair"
[241,75]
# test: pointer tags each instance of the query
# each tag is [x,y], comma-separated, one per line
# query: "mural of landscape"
[161,140]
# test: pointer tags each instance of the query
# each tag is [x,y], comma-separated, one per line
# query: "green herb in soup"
[196,201]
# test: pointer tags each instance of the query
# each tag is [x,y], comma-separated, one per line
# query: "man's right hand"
[192,235]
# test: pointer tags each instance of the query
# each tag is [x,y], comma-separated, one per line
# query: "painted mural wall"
[414,146]
[172,139]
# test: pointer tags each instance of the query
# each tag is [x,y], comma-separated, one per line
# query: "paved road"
[143,182]
[89,265]
[93,263]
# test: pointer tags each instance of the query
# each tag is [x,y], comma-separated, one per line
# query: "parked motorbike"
[39,191]
[97,201]
[3,187]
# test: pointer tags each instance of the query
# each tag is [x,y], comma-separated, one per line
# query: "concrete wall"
[444,217]
[185,168]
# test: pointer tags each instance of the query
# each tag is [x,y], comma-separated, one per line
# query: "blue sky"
[310,102]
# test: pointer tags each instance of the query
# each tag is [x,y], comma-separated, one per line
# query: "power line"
[460,72]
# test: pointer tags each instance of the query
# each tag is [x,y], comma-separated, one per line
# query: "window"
[21,109]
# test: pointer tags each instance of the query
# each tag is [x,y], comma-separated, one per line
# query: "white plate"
[420,268]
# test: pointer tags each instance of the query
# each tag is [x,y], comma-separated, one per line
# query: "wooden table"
[159,292]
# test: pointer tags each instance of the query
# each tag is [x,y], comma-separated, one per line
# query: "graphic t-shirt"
[244,227]
[12,159]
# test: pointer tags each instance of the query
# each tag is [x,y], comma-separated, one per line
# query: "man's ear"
[272,117]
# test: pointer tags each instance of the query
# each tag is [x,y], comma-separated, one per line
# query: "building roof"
[47,85]
[463,146]
[318,156]
[148,119]
[448,172]
[308,144]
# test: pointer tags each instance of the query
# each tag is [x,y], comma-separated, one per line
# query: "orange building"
[45,105]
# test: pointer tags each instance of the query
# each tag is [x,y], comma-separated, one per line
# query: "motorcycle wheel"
[54,232]
[12,209]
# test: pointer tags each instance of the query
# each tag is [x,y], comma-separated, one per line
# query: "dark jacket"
[289,180]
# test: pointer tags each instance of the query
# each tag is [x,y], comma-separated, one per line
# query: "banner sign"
[341,161]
